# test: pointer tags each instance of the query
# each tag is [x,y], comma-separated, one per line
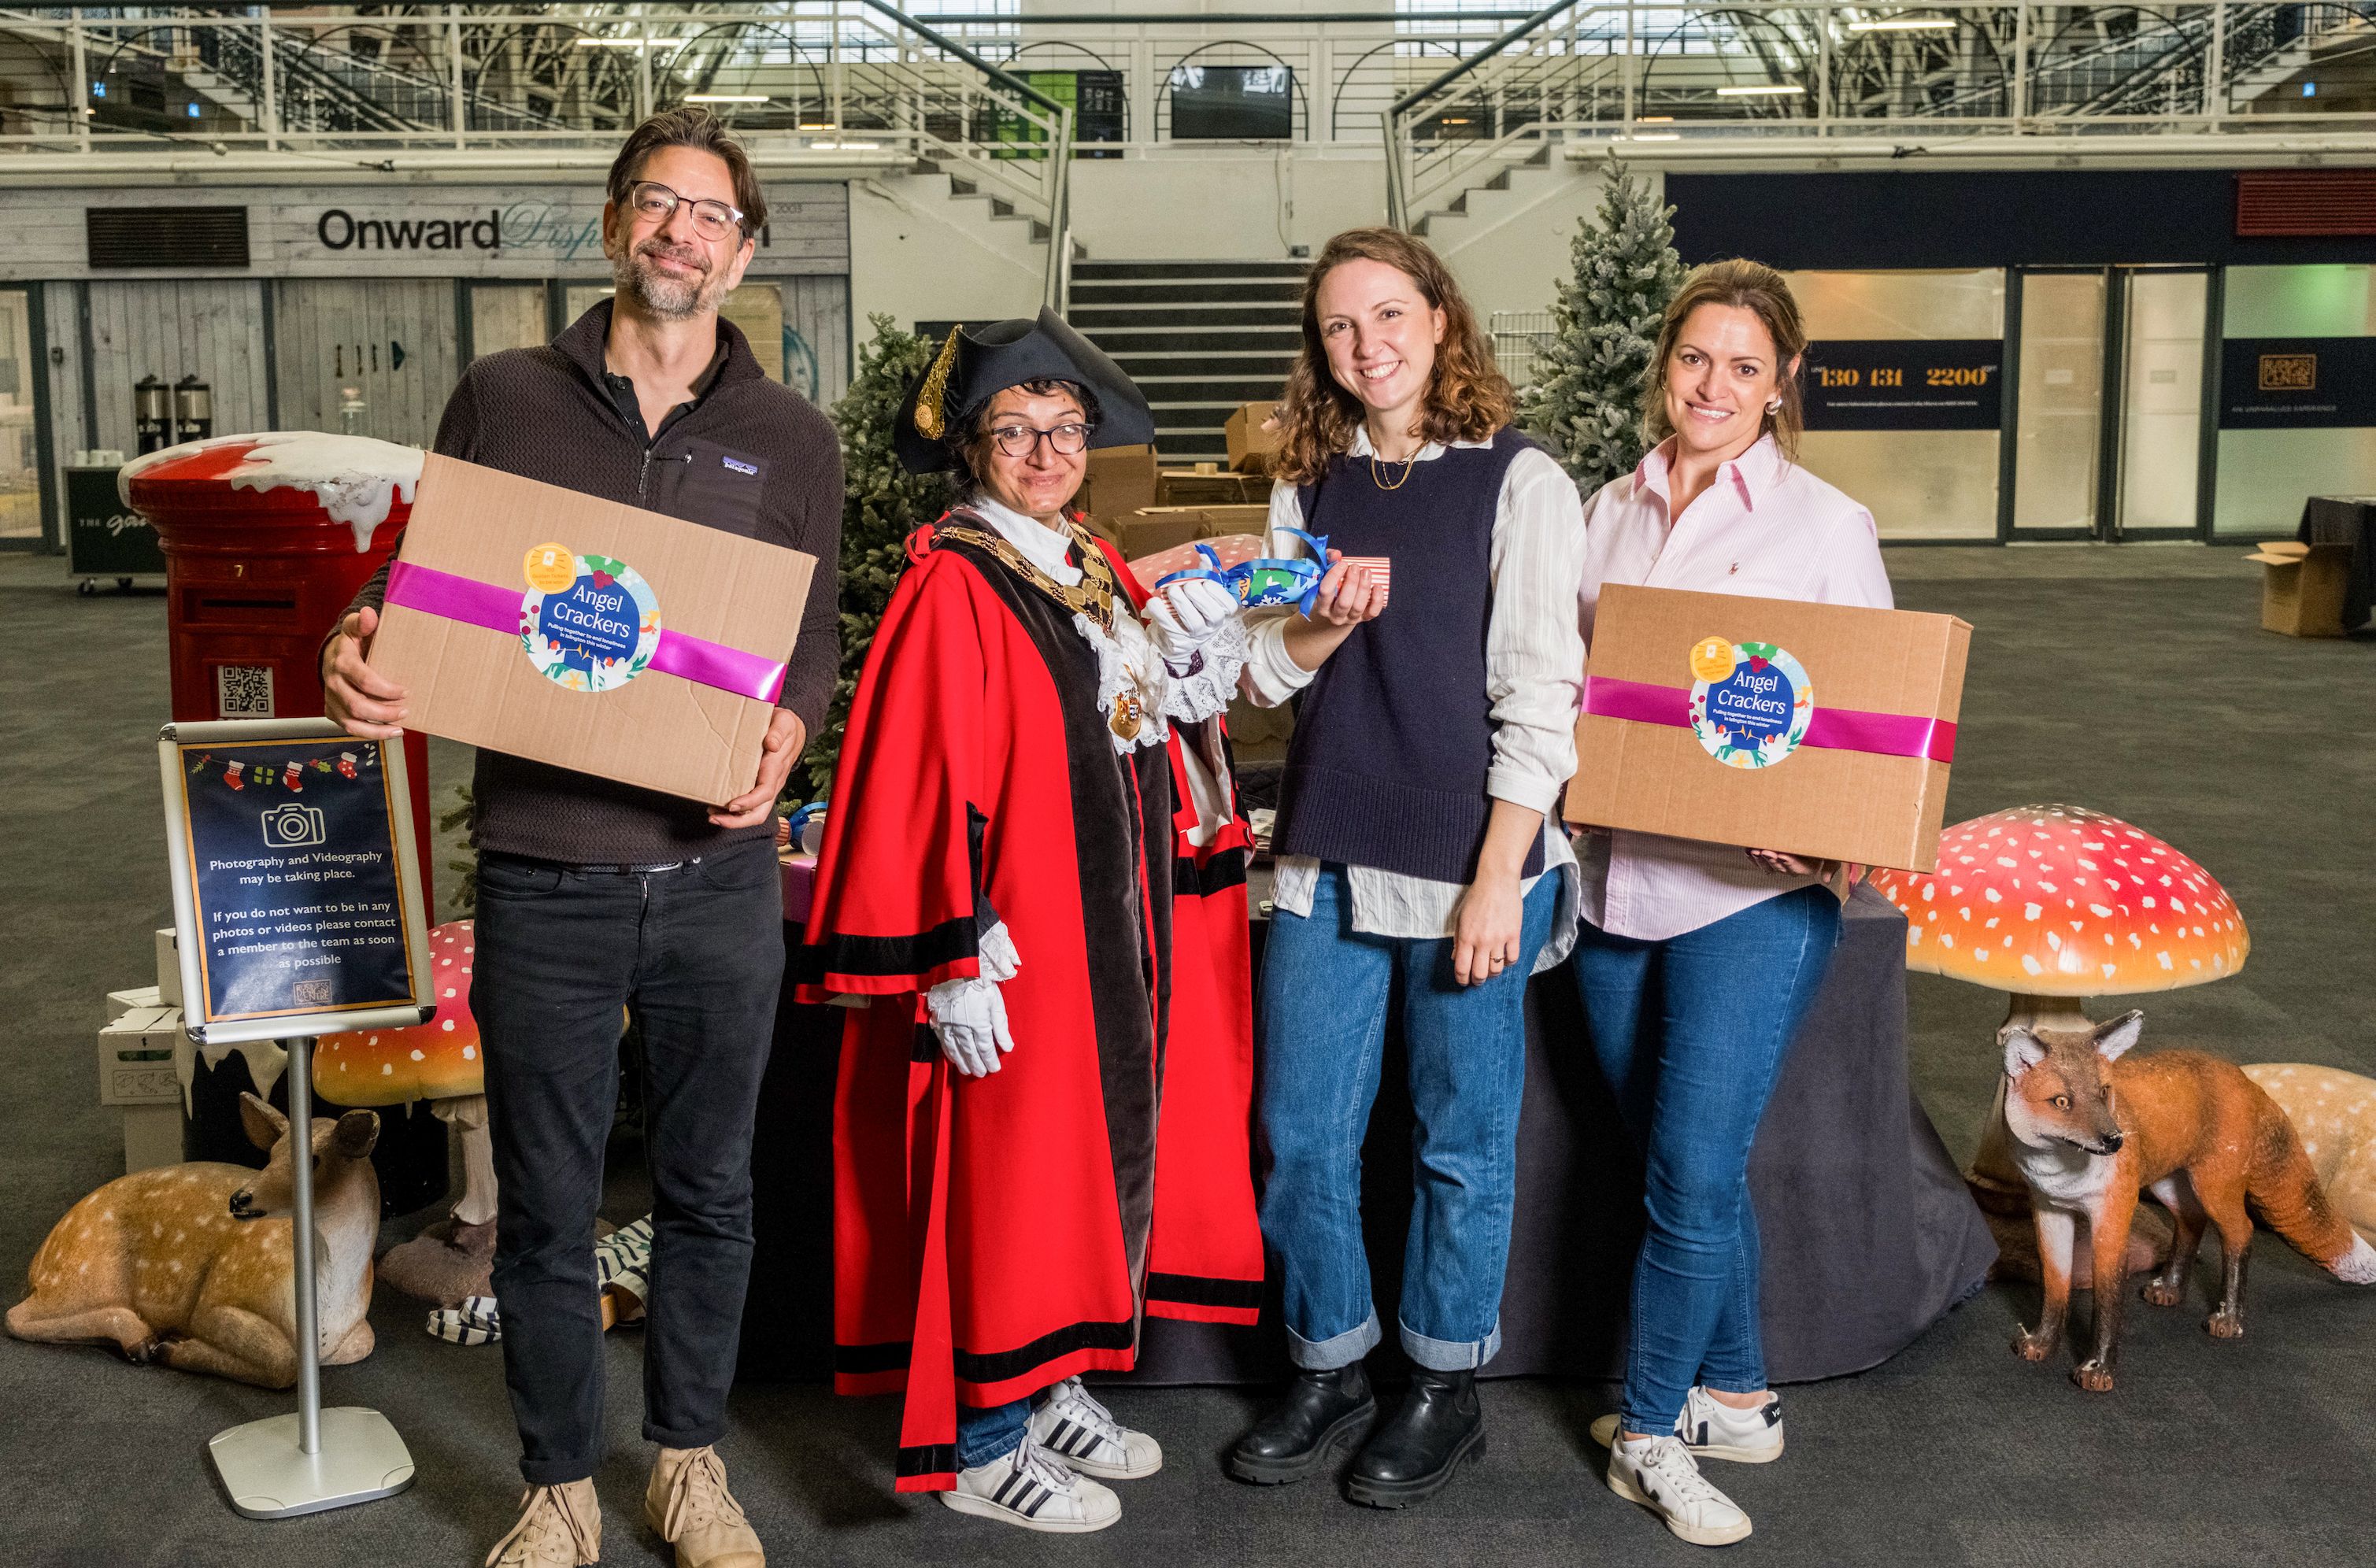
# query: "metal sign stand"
[313,1459]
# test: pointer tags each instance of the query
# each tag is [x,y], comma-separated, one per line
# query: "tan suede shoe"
[688,1505]
[560,1527]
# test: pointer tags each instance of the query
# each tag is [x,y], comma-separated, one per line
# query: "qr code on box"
[244,691]
[310,993]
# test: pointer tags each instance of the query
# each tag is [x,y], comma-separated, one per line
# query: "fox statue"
[2091,1130]
[190,1265]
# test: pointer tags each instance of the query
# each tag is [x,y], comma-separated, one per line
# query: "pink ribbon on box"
[497,609]
[1834,729]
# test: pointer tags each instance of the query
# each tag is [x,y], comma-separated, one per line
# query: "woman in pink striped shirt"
[1698,961]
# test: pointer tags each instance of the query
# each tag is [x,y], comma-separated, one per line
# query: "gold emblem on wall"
[2288,372]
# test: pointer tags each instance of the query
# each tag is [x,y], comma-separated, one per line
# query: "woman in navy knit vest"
[1415,868]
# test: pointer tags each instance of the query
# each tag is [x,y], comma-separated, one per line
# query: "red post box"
[266,539]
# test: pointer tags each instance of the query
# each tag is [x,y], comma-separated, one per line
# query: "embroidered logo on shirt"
[739,466]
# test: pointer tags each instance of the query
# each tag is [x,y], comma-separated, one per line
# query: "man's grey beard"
[670,299]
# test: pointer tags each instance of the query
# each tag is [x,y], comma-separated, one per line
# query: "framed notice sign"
[296,898]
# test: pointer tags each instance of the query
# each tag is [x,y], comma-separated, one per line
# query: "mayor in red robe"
[1006,832]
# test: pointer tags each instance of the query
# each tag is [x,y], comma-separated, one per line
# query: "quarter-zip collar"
[582,342]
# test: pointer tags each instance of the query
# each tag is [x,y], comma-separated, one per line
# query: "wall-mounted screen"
[1232,104]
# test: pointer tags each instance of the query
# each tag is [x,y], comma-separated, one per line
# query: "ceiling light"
[628,43]
[728,98]
[1654,119]
[1657,135]
[1778,90]
[1905,24]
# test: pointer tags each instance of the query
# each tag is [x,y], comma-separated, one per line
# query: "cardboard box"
[2302,587]
[1119,480]
[1829,737]
[1154,528]
[136,1058]
[169,968]
[657,598]
[119,1003]
[1251,446]
[1209,484]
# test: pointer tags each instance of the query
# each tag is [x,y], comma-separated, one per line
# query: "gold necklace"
[1093,597]
[1377,475]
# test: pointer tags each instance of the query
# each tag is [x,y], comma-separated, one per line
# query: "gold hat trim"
[931,418]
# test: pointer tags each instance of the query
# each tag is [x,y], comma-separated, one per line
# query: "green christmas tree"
[882,504]
[1586,403]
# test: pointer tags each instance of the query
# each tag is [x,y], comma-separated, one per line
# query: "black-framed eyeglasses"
[711,219]
[1022,440]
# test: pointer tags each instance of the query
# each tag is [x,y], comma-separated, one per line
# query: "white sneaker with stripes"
[1077,1430]
[1029,1489]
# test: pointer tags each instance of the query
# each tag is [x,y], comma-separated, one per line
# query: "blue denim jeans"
[1321,1028]
[1691,1033]
[989,1432]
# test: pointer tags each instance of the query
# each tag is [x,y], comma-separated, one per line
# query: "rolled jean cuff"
[1340,1350]
[1452,1355]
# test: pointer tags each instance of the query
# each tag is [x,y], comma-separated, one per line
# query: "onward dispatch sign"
[411,231]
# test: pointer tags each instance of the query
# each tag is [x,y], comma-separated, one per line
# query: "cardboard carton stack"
[137,1065]
[1120,480]
[1253,441]
[1209,484]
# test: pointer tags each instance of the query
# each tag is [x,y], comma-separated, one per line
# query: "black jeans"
[699,950]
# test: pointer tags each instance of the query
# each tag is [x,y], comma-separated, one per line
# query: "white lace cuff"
[1211,677]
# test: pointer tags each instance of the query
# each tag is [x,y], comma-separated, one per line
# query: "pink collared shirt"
[1765,528]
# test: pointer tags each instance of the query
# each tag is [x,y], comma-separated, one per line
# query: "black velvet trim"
[928,1459]
[1004,1364]
[859,1361]
[1192,1291]
[1223,871]
[925,1046]
[843,954]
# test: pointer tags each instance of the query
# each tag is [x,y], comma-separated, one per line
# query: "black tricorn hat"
[973,367]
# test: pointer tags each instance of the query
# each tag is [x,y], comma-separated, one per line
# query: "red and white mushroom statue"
[2055,904]
[439,1062]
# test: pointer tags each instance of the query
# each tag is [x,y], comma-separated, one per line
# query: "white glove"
[969,1016]
[1184,616]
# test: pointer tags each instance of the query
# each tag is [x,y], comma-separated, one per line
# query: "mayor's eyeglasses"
[1021,440]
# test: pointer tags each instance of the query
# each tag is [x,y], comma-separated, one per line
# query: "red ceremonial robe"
[1205,1264]
[992,1235]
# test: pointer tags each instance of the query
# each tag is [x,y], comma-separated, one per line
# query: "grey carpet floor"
[2134,680]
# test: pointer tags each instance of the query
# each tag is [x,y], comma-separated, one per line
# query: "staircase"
[1199,338]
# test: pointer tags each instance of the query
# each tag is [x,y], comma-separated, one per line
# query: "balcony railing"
[1006,101]
[826,82]
[1809,78]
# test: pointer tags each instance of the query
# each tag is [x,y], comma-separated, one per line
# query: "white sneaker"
[1660,1474]
[1077,1430]
[1714,1430]
[1029,1489]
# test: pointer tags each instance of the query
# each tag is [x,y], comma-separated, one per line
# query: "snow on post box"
[588,633]
[1819,730]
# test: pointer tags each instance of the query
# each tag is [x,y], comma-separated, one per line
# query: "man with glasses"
[595,896]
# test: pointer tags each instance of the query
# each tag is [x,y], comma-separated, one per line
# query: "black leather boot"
[1413,1455]
[1325,1413]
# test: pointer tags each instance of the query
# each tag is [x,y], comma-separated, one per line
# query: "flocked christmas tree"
[882,504]
[1586,403]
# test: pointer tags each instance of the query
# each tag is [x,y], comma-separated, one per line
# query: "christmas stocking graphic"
[295,779]
[346,765]
[232,771]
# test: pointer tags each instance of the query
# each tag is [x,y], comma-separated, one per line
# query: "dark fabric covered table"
[1868,1233]
[2346,519]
